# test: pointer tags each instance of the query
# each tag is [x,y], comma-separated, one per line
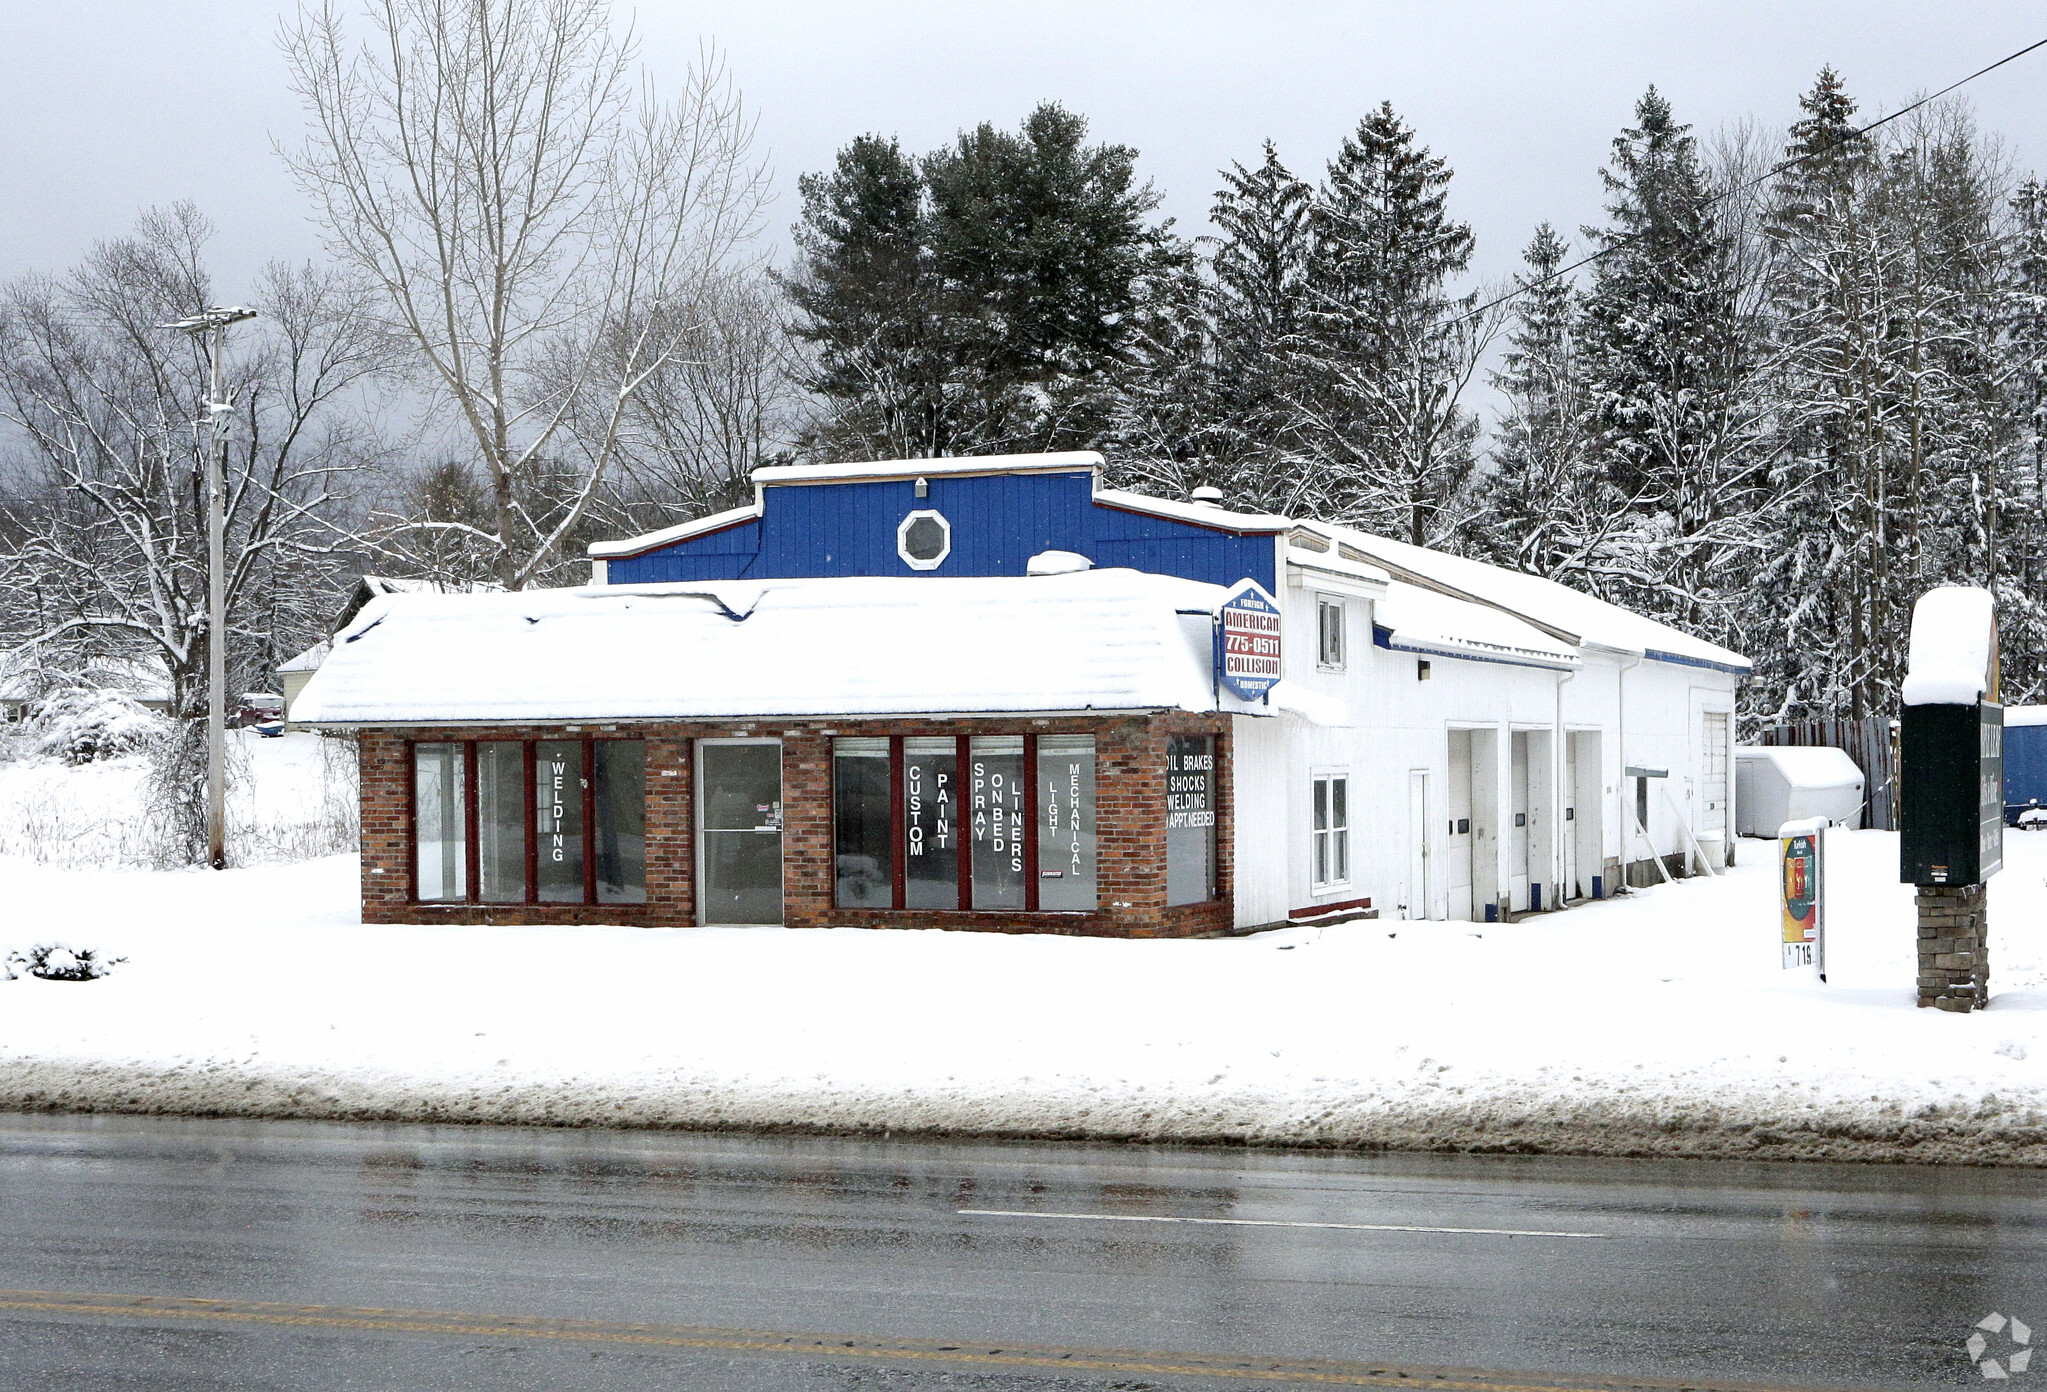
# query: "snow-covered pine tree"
[2022,581]
[1819,599]
[1386,352]
[1671,373]
[1542,510]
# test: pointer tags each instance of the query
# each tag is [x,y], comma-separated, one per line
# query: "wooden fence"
[1872,742]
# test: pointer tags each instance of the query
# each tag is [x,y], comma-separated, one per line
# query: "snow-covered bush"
[56,962]
[81,726]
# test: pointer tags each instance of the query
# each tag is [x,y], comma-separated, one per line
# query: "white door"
[1713,766]
[1517,816]
[1458,841]
[1418,828]
[1571,888]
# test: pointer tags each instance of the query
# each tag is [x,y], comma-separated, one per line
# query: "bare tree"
[544,229]
[106,542]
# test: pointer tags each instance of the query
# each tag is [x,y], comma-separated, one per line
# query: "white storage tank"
[1775,784]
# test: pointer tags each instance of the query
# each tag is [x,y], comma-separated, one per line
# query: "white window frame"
[1324,603]
[1329,847]
[903,539]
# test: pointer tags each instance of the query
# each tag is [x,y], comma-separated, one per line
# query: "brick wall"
[1130,801]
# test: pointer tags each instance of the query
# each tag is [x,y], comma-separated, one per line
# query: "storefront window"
[1190,819]
[863,870]
[501,821]
[930,800]
[996,820]
[558,819]
[1066,822]
[621,831]
[439,817]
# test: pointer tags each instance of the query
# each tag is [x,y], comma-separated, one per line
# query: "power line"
[1772,172]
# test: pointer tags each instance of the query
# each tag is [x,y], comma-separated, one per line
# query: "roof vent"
[1057,563]
[1206,496]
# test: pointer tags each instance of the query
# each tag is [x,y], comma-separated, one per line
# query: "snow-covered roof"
[309,660]
[681,531]
[1564,613]
[2025,715]
[1331,564]
[1428,621]
[1203,514]
[1805,766]
[927,468]
[1095,640]
[1953,629]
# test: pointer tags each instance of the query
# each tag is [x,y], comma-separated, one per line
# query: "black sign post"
[1951,791]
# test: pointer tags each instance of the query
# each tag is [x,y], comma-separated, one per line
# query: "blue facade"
[998,522]
[2025,768]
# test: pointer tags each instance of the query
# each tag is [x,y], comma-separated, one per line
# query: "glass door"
[739,831]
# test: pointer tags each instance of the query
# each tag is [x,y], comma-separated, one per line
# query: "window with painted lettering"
[1190,819]
[931,852]
[995,820]
[1331,832]
[531,821]
[1066,823]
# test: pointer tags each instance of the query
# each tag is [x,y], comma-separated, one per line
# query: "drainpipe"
[1558,828]
[1620,783]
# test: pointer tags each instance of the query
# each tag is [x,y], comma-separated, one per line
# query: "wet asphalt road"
[692,1261]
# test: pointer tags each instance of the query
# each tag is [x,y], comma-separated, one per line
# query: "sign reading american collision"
[1248,641]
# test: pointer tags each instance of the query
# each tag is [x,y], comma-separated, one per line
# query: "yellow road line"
[1307,1371]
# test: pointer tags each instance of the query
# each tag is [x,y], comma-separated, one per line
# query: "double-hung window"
[1332,830]
[1329,632]
[559,821]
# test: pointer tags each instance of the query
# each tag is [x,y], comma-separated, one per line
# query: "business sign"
[1248,641]
[1951,786]
[1801,878]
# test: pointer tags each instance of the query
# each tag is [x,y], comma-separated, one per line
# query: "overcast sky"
[111,105]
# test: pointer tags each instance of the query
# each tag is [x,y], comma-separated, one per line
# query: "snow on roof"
[926,468]
[309,660]
[1545,603]
[1805,766]
[1097,640]
[1202,514]
[681,531]
[2024,715]
[1953,627]
[1332,564]
[1421,620]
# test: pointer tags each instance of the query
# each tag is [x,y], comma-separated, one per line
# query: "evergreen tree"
[1207,399]
[866,293]
[2022,585]
[981,299]
[1385,351]
[1543,512]
[1670,370]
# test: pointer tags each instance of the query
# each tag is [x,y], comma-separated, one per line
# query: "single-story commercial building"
[991,693]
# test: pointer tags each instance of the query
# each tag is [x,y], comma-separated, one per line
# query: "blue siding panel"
[2025,767]
[999,521]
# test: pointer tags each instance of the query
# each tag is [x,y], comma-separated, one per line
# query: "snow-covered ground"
[1659,1024]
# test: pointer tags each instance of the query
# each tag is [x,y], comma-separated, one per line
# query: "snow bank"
[1952,630]
[1660,1025]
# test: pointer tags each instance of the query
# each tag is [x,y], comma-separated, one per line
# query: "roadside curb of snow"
[1732,1123]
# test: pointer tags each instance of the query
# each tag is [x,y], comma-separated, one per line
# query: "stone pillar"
[1954,947]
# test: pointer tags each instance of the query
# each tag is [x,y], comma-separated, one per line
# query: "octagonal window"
[924,539]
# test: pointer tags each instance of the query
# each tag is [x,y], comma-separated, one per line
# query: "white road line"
[1264,1223]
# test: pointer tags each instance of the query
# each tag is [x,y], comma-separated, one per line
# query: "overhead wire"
[1772,172]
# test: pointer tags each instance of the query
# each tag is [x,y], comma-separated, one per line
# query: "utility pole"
[221,420]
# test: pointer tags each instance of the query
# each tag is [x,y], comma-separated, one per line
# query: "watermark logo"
[2015,1354]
